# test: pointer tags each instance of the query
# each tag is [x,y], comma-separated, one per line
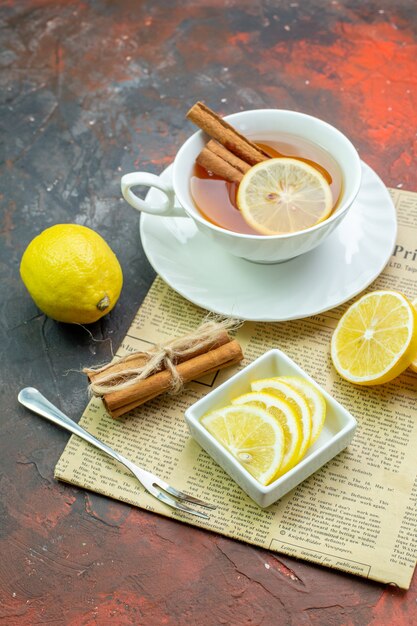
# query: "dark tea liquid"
[215,198]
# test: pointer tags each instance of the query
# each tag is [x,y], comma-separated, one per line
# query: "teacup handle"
[166,207]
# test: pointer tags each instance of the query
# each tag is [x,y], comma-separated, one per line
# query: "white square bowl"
[337,433]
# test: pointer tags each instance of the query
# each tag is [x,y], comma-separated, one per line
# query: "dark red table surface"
[94,89]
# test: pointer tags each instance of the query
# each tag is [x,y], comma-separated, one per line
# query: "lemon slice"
[376,339]
[253,436]
[283,195]
[286,416]
[315,401]
[413,365]
[280,389]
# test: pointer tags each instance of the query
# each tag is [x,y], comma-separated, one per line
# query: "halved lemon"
[253,436]
[286,416]
[283,195]
[376,338]
[315,401]
[413,365]
[276,386]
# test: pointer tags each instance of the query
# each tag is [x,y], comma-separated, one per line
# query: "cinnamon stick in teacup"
[216,159]
[217,128]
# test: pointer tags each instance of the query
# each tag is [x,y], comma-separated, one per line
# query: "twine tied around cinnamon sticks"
[141,376]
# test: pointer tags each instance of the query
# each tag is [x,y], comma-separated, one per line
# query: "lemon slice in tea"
[284,195]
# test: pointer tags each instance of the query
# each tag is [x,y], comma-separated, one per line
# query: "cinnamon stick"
[147,388]
[224,133]
[214,164]
[122,367]
[133,405]
[216,159]
[228,156]
[126,366]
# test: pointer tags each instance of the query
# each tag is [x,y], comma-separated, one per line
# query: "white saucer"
[341,267]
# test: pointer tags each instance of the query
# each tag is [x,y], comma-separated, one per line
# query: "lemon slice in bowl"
[253,436]
[286,416]
[277,387]
[284,195]
[376,338]
[315,401]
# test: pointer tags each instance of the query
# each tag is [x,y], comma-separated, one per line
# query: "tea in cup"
[210,200]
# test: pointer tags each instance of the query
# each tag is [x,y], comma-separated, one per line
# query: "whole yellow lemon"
[72,274]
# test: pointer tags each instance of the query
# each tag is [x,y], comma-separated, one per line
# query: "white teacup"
[263,125]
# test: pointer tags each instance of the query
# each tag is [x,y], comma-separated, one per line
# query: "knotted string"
[161,356]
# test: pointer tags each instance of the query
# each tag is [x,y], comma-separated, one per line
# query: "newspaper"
[357,513]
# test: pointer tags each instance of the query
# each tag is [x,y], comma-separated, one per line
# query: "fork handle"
[32,399]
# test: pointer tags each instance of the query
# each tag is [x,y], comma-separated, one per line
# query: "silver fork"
[32,399]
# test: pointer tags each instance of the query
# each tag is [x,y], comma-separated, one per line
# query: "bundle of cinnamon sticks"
[228,154]
[142,376]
